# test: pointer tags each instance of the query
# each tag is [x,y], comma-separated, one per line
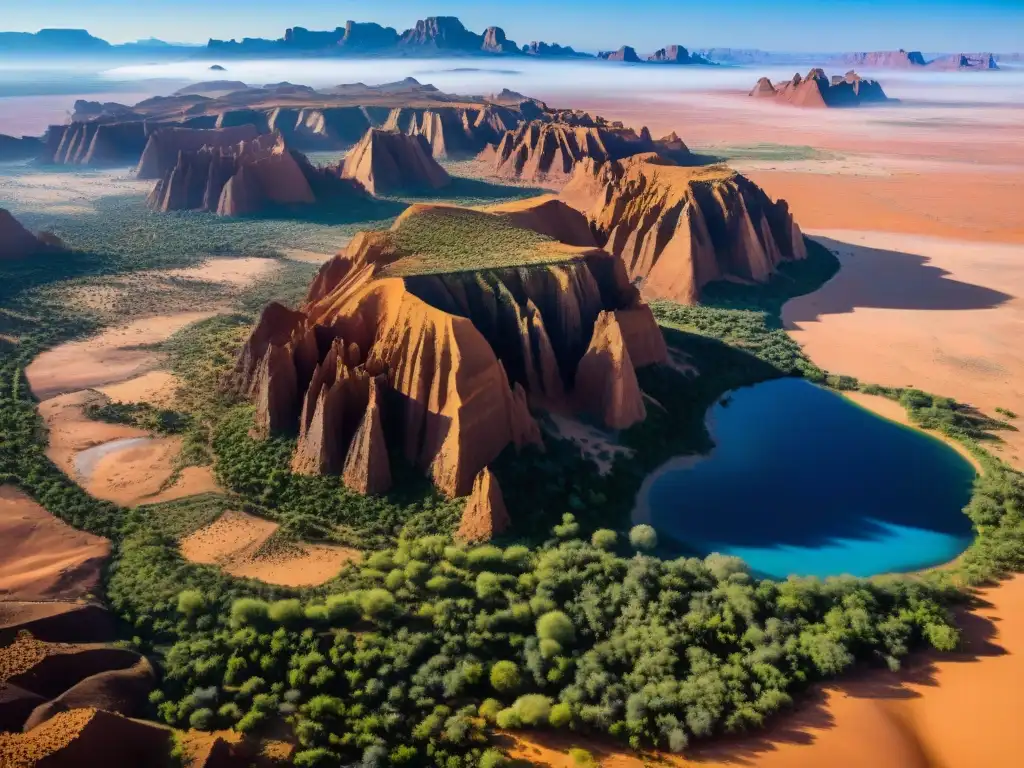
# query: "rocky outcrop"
[367,466]
[553,50]
[549,216]
[388,161]
[608,388]
[485,515]
[19,147]
[443,33]
[672,54]
[94,144]
[625,53]
[495,41]
[964,61]
[900,59]
[549,151]
[245,179]
[16,242]
[455,131]
[458,357]
[817,90]
[676,229]
[165,145]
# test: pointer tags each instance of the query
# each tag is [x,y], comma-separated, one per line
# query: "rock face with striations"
[607,387]
[625,53]
[549,151]
[94,144]
[246,178]
[817,90]
[485,515]
[677,229]
[496,42]
[388,161]
[672,54]
[165,144]
[458,351]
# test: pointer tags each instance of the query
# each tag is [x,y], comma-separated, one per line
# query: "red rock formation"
[244,179]
[677,229]
[816,90]
[367,466]
[549,216]
[485,515]
[625,53]
[388,161]
[606,380]
[166,143]
[672,54]
[459,354]
[543,151]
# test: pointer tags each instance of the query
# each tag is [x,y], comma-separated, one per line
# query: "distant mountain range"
[447,36]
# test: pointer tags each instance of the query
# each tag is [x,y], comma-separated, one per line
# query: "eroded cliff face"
[676,229]
[163,145]
[458,358]
[243,179]
[94,144]
[389,161]
[485,515]
[455,131]
[544,151]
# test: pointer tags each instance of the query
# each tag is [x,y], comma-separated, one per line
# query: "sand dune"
[236,542]
[945,316]
[42,558]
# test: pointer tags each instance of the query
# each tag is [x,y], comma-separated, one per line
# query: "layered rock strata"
[16,242]
[817,90]
[676,229]
[457,357]
[94,144]
[388,161]
[246,178]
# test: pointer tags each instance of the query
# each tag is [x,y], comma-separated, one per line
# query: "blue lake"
[803,481]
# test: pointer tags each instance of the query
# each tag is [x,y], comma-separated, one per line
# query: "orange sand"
[945,711]
[156,388]
[235,539]
[226,271]
[42,557]
[942,315]
[110,357]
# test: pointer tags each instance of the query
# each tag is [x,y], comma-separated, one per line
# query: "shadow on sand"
[883,279]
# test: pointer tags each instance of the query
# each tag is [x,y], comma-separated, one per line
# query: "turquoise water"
[803,481]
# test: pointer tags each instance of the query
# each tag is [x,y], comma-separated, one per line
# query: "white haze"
[558,80]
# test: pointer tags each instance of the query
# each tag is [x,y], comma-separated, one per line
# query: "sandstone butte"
[485,515]
[389,161]
[16,242]
[676,229]
[550,151]
[244,178]
[164,145]
[458,132]
[459,356]
[902,59]
[816,90]
[625,53]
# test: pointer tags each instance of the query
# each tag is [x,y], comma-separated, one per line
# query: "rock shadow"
[885,279]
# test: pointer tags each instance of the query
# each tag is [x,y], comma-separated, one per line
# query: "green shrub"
[555,625]
[191,603]
[508,719]
[533,709]
[320,756]
[604,538]
[202,719]
[561,715]
[343,610]
[505,677]
[643,537]
[286,612]
[249,611]
[492,758]
[489,709]
[581,758]
[377,604]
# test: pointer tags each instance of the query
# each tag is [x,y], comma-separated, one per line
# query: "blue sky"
[804,25]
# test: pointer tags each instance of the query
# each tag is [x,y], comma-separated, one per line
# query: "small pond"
[803,481]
